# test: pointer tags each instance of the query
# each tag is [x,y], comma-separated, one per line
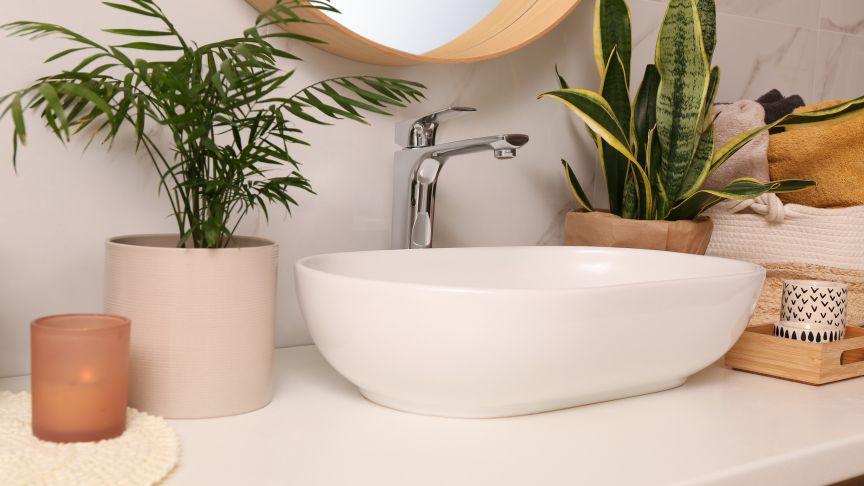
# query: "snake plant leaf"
[700,166]
[645,106]
[643,188]
[708,20]
[653,161]
[831,113]
[576,188]
[684,78]
[615,169]
[630,207]
[711,96]
[739,189]
[562,83]
[612,31]
[652,153]
[661,200]
[615,91]
[597,114]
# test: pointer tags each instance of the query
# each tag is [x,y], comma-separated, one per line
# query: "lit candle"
[80,376]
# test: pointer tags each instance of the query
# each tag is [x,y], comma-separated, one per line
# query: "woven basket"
[769,232]
[793,242]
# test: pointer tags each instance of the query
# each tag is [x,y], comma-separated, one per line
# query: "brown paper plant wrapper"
[582,228]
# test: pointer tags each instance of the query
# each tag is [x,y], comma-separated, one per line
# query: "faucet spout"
[416,171]
[496,143]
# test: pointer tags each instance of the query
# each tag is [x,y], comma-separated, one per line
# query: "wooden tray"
[759,351]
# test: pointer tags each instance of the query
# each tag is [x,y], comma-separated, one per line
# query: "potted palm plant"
[658,150]
[201,301]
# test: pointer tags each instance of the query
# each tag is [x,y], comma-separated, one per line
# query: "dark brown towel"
[770,97]
[777,106]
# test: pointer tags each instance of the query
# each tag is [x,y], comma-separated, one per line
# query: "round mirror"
[400,32]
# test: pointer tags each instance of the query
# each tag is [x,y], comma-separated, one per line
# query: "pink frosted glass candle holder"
[80,376]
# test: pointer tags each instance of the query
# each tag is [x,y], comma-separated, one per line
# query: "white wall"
[62,205]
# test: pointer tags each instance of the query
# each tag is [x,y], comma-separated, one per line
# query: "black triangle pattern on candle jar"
[822,305]
[808,335]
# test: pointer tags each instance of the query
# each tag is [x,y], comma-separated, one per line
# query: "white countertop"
[721,427]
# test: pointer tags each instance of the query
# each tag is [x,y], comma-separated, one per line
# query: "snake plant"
[658,150]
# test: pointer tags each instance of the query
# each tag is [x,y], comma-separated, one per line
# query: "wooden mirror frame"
[511,25]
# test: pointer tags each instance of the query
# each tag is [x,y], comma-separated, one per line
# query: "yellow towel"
[832,154]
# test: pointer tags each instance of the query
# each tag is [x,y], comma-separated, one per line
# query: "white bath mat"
[146,452]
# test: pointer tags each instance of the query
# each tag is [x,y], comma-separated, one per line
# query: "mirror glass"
[412,26]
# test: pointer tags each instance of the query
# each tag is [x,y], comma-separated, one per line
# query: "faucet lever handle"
[420,132]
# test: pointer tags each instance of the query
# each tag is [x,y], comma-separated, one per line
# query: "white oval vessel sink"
[492,332]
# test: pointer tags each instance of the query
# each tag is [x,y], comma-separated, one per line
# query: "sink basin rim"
[748,268]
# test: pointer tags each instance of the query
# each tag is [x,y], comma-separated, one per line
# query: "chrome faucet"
[418,165]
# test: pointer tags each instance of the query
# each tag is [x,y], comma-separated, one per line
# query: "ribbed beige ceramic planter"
[202,323]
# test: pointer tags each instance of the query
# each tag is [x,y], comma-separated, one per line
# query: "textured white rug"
[146,452]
